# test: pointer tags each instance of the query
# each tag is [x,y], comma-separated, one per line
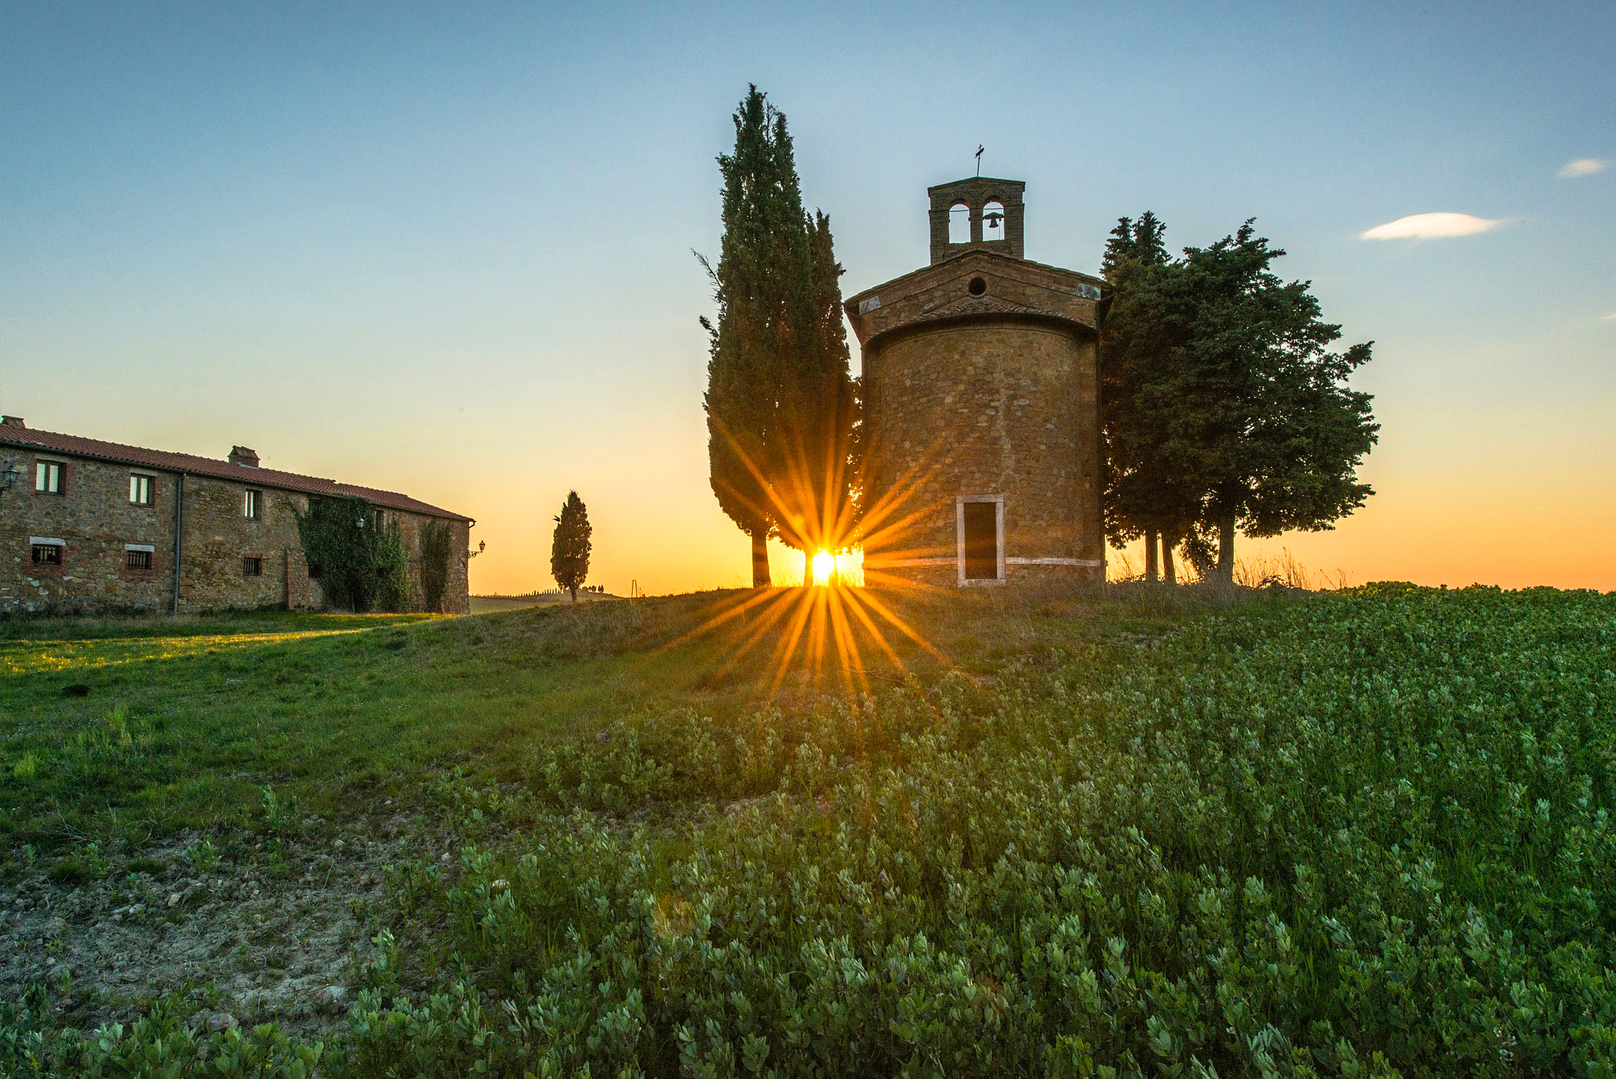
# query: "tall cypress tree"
[779,397]
[1145,492]
[815,476]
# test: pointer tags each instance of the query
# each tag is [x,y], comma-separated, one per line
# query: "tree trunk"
[1169,572]
[1150,556]
[760,560]
[574,591]
[1226,548]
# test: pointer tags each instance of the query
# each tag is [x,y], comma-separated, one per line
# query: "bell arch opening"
[959,223]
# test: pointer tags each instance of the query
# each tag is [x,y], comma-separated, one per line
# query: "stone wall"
[96,521]
[987,405]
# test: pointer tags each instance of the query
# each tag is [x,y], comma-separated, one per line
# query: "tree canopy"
[570,545]
[780,401]
[1226,408]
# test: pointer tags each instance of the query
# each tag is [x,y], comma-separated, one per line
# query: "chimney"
[241,455]
[12,421]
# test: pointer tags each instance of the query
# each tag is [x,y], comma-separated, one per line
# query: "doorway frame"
[959,535]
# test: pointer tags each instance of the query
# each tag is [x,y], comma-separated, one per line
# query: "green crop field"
[1143,833]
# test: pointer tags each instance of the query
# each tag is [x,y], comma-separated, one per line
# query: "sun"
[824,567]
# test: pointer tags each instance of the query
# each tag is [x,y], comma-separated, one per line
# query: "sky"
[448,249]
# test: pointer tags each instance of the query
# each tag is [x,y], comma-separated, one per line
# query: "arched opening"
[993,221]
[959,223]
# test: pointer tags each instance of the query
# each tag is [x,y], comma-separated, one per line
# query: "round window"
[977,286]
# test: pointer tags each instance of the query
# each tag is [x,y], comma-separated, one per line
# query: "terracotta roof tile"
[75,446]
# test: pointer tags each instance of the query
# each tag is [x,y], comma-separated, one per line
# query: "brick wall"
[96,521]
[992,405]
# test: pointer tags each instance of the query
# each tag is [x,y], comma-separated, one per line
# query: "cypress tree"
[780,401]
[569,546]
[1146,493]
[815,480]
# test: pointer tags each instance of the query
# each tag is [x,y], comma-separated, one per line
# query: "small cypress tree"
[569,547]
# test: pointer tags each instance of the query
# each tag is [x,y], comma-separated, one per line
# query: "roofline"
[1091,279]
[251,476]
[976,179]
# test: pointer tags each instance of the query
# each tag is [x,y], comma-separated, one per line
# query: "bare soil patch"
[267,930]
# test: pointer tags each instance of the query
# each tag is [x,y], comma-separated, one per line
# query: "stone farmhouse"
[94,526]
[981,405]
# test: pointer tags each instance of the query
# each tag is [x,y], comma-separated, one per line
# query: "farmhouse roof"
[14,433]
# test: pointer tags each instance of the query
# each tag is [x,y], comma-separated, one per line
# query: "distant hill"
[490,604]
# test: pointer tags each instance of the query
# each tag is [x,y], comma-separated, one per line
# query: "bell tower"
[977,214]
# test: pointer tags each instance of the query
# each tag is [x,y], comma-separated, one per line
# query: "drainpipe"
[179,520]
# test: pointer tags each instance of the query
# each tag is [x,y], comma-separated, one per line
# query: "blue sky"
[447,248]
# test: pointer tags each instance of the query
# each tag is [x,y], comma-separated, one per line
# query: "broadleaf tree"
[570,545]
[1283,433]
[1228,409]
[780,402]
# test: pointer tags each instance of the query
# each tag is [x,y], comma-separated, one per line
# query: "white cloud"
[1609,318]
[1431,227]
[1582,166]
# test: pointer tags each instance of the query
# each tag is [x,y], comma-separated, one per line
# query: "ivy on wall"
[437,542]
[357,556]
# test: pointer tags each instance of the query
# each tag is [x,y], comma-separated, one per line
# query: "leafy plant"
[356,554]
[437,543]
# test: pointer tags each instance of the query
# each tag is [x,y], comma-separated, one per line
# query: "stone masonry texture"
[96,522]
[981,380]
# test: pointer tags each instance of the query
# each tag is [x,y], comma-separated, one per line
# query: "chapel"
[981,405]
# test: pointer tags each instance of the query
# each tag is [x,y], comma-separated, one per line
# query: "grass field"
[1361,833]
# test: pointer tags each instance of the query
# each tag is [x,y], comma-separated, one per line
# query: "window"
[138,559]
[140,490]
[981,538]
[993,221]
[48,477]
[252,566]
[959,223]
[249,505]
[47,552]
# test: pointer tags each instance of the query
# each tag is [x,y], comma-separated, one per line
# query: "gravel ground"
[270,930]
